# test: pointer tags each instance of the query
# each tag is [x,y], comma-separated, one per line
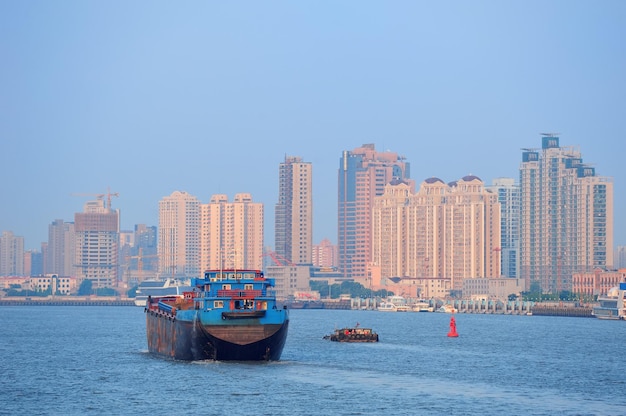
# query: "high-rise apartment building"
[449,231]
[11,254]
[97,244]
[363,174]
[61,251]
[325,254]
[293,227]
[231,233]
[179,235]
[509,197]
[566,217]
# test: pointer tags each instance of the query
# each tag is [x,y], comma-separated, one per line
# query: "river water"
[82,360]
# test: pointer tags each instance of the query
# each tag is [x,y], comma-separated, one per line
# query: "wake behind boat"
[229,315]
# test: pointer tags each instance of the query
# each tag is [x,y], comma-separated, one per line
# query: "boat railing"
[234,293]
[239,294]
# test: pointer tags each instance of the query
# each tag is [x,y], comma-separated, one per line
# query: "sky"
[144,98]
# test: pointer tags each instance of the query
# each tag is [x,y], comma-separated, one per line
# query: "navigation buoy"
[452,332]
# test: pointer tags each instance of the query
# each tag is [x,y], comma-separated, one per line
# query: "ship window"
[248,287]
[226,287]
[218,304]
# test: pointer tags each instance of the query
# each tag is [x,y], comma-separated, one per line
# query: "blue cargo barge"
[229,315]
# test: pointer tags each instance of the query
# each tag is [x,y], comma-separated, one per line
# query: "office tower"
[620,257]
[325,254]
[145,257]
[566,217]
[61,248]
[11,254]
[231,233]
[179,235]
[293,227]
[97,244]
[449,231]
[33,263]
[509,197]
[363,174]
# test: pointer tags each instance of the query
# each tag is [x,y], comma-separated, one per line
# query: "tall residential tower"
[509,197]
[566,217]
[231,233]
[179,235]
[97,244]
[294,211]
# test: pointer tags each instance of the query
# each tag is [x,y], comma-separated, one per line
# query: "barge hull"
[190,340]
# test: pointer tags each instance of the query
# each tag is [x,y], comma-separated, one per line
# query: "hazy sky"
[149,97]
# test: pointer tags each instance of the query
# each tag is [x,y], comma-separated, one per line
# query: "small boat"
[355,334]
[157,288]
[422,306]
[447,308]
[387,307]
[612,306]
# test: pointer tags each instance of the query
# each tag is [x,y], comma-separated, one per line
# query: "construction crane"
[140,256]
[278,259]
[108,194]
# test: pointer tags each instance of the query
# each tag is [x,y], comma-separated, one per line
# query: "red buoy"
[452,332]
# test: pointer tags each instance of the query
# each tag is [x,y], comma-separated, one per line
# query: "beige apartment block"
[325,254]
[59,258]
[11,254]
[231,233]
[179,235]
[448,231]
[289,280]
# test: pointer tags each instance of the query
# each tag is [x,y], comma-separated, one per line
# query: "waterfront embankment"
[66,301]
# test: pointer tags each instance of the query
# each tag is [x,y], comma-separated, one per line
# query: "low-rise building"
[598,282]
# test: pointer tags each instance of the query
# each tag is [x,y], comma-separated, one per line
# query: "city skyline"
[209,99]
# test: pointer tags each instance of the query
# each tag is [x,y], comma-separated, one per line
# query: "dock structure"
[66,301]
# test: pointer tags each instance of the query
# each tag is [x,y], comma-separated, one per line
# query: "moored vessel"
[229,315]
[613,305]
[387,307]
[447,308]
[159,288]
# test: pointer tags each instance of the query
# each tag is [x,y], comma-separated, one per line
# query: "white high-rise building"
[566,221]
[294,211]
[509,197]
